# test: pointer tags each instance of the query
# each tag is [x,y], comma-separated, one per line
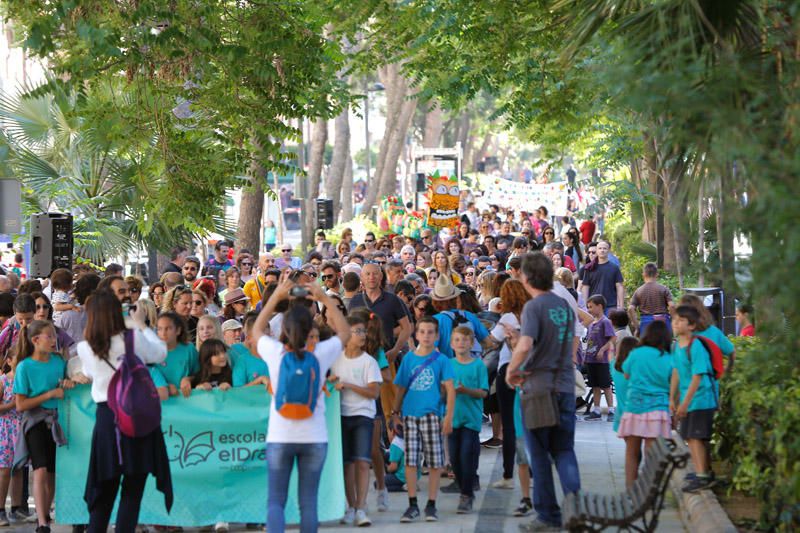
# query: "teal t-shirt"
[622,390]
[649,373]
[469,411]
[247,367]
[398,455]
[381,358]
[519,429]
[707,393]
[423,396]
[715,335]
[33,378]
[158,377]
[181,362]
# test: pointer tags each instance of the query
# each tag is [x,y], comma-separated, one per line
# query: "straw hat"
[234,295]
[231,324]
[444,289]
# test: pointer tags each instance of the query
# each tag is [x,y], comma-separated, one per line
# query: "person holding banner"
[292,436]
[117,459]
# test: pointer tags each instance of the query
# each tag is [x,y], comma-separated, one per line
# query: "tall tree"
[316,160]
[339,161]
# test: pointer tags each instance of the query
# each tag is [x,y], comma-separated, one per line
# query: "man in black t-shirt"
[604,277]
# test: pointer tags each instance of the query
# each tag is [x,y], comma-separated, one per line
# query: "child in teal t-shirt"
[248,367]
[39,383]
[419,380]
[182,357]
[693,378]
[472,386]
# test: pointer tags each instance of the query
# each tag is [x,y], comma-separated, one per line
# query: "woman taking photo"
[304,440]
[115,458]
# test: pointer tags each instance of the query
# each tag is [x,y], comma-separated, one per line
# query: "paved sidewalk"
[600,457]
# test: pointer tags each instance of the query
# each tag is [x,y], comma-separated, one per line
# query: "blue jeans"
[557,444]
[646,320]
[465,448]
[280,462]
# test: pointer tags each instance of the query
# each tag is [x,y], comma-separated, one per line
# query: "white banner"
[528,197]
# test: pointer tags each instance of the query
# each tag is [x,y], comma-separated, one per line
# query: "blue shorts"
[357,438]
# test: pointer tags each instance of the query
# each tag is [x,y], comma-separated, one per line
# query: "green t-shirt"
[715,335]
[158,377]
[398,455]
[181,362]
[33,378]
[700,364]
[246,366]
[469,411]
[621,386]
[650,372]
[381,357]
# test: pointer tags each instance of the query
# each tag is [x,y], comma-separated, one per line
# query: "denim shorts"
[357,438]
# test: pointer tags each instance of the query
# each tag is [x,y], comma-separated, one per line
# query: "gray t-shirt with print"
[549,321]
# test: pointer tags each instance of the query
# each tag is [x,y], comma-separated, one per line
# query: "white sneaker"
[349,517]
[503,484]
[221,527]
[383,500]
[362,520]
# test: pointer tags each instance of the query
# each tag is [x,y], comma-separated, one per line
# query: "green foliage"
[633,254]
[757,430]
[360,226]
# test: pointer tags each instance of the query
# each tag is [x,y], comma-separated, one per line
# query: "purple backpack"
[132,395]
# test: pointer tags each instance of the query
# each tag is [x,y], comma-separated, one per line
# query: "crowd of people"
[424,338]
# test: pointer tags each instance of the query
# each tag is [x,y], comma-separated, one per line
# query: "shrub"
[757,430]
[360,226]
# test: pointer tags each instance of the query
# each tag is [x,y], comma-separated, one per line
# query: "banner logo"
[191,451]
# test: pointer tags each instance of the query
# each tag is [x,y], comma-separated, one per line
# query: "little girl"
[358,377]
[182,359]
[9,428]
[373,345]
[248,367]
[39,383]
[624,347]
[648,370]
[215,369]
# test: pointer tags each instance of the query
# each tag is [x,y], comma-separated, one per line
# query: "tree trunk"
[341,153]
[251,208]
[725,236]
[399,112]
[315,160]
[433,126]
[347,188]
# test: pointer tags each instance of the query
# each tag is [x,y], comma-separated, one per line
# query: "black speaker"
[422,186]
[324,213]
[51,243]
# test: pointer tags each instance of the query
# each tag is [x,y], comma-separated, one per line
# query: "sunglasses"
[326,277]
[247,264]
[312,274]
[136,291]
[286,250]
[493,258]
[549,232]
[369,240]
[421,308]
[198,302]
[43,307]
[468,273]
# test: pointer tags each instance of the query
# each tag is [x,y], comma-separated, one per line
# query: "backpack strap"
[425,364]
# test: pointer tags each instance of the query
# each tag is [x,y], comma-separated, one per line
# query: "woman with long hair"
[487,287]
[116,459]
[301,440]
[441,264]
[513,297]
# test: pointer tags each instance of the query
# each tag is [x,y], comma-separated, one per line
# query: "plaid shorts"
[424,436]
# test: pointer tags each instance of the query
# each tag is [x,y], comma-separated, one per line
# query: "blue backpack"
[299,385]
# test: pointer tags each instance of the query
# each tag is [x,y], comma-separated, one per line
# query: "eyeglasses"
[158,293]
[358,331]
[43,307]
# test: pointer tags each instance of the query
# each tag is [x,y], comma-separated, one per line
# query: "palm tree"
[67,161]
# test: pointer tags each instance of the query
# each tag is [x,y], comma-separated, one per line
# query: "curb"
[699,511]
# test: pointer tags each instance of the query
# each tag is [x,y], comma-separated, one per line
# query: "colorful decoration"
[396,220]
[521,196]
[443,196]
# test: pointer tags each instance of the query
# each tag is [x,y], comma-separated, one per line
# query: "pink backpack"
[132,395]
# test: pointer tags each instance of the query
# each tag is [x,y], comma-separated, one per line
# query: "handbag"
[541,409]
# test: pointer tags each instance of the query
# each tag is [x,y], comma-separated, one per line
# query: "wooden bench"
[642,503]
